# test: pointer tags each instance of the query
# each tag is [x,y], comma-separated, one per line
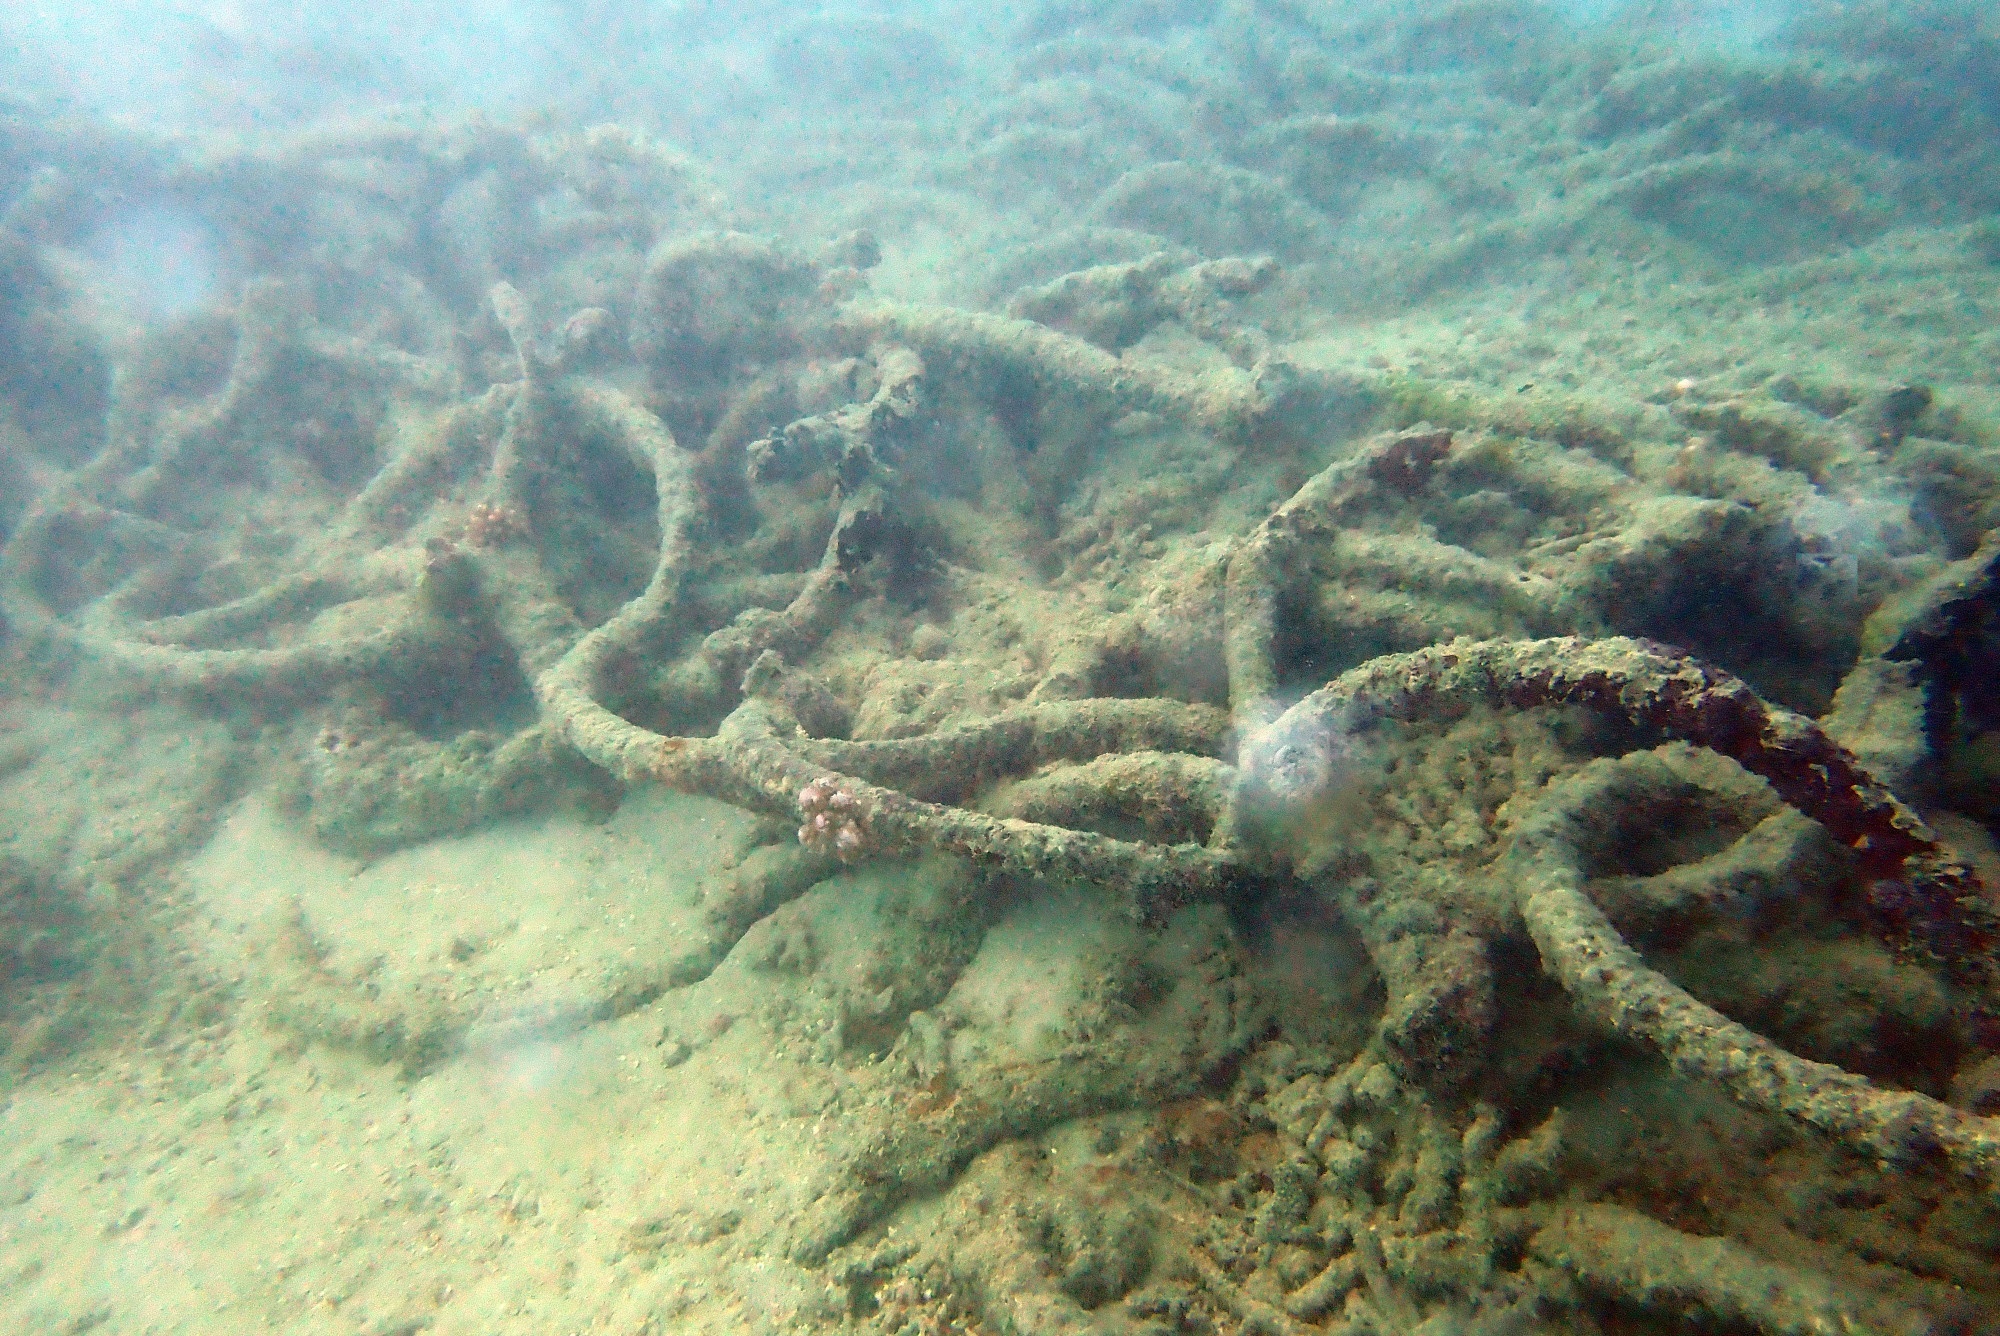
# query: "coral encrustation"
[834,822]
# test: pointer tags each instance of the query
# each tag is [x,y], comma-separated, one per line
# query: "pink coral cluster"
[493,526]
[834,822]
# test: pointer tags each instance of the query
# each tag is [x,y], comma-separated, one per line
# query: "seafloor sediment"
[1217,671]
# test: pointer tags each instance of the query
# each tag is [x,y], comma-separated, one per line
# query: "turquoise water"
[1131,667]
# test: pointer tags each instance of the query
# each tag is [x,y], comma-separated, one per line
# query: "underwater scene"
[1126,667]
